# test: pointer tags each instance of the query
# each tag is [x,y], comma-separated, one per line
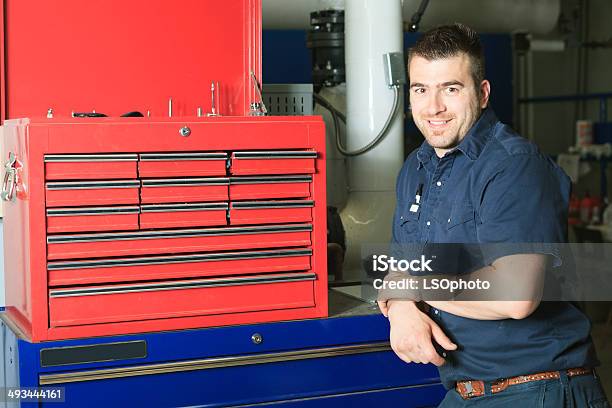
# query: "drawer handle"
[186,182]
[86,185]
[269,179]
[152,208]
[179,285]
[86,211]
[163,260]
[251,205]
[9,184]
[75,158]
[275,155]
[187,233]
[182,156]
[213,362]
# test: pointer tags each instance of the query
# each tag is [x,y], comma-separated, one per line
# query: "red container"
[90,166]
[188,190]
[90,193]
[163,158]
[120,303]
[29,281]
[182,164]
[176,241]
[270,212]
[182,215]
[92,63]
[92,219]
[65,273]
[268,187]
[273,162]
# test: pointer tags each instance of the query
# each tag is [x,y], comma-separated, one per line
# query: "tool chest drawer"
[176,241]
[114,303]
[80,219]
[83,272]
[182,164]
[184,190]
[92,193]
[182,215]
[273,162]
[269,187]
[270,212]
[90,166]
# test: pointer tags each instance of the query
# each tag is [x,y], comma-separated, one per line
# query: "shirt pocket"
[461,213]
[459,223]
[407,223]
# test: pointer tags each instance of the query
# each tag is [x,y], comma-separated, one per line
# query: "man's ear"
[485,91]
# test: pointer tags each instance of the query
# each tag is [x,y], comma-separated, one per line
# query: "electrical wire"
[336,115]
[327,105]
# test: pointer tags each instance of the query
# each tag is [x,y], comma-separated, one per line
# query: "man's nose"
[435,104]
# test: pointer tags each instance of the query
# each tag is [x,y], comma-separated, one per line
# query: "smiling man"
[474,180]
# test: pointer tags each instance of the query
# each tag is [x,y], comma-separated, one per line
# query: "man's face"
[444,100]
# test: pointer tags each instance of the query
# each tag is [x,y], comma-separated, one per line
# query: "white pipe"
[492,16]
[372,29]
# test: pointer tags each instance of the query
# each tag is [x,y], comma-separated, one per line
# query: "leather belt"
[474,388]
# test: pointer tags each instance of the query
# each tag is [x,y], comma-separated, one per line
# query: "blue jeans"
[582,391]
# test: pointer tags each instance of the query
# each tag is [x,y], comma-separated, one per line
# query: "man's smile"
[437,123]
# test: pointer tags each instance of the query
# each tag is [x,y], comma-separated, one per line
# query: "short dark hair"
[448,41]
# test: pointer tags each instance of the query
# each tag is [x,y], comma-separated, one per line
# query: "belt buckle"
[469,389]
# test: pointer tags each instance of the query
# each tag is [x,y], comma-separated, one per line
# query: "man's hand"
[384,308]
[412,332]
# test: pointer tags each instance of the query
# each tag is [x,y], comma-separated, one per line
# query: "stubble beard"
[436,139]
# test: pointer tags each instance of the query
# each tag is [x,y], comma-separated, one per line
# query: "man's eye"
[452,90]
[418,90]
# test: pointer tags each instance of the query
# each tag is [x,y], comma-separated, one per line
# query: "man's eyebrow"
[451,83]
[417,85]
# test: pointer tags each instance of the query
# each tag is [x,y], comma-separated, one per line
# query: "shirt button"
[428,223]
[448,220]
[436,311]
[439,183]
[443,354]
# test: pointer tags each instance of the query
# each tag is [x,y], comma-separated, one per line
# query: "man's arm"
[519,278]
[413,331]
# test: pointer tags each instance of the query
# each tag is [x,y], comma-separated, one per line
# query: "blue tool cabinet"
[341,361]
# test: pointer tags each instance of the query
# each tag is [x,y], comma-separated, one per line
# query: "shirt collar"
[472,144]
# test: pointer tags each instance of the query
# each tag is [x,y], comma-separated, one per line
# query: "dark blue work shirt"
[495,187]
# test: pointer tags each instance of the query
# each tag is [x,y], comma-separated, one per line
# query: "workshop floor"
[602,337]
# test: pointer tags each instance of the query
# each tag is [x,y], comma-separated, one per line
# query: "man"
[474,180]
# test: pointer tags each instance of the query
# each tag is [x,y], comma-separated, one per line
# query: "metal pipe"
[373,28]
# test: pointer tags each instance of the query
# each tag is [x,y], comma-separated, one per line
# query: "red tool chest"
[173,220]
[122,251]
